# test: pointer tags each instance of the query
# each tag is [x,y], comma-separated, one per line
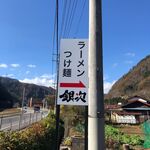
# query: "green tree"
[50,100]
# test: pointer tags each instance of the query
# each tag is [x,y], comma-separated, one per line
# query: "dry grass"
[132,129]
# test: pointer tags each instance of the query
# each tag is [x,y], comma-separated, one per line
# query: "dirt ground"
[132,129]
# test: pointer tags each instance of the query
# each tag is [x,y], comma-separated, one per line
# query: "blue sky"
[26,36]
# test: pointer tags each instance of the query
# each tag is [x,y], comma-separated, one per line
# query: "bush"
[67,141]
[80,128]
[41,136]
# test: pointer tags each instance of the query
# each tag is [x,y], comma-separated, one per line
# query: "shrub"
[40,136]
[80,128]
[67,141]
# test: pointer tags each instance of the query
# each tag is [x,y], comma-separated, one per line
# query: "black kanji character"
[80,63]
[82,44]
[66,72]
[67,63]
[81,96]
[80,73]
[68,53]
[67,96]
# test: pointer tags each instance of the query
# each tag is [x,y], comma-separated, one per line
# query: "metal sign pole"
[57,106]
[86,128]
[57,126]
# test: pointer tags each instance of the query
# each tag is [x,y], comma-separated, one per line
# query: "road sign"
[73,72]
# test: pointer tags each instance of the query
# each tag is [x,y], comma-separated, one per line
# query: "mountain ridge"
[14,89]
[135,82]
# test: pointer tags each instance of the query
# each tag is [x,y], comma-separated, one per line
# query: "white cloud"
[106,77]
[44,81]
[48,76]
[128,62]
[31,66]
[48,80]
[8,75]
[107,86]
[130,54]
[15,65]
[3,65]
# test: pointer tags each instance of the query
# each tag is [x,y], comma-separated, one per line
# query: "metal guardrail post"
[1,122]
[41,116]
[33,118]
[11,124]
[30,119]
[36,117]
[20,119]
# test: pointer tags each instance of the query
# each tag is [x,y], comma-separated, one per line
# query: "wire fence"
[20,121]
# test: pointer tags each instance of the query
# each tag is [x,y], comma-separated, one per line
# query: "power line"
[63,17]
[82,12]
[67,14]
[67,18]
[72,16]
[53,43]
[54,30]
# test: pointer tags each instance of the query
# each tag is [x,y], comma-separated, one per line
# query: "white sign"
[73,72]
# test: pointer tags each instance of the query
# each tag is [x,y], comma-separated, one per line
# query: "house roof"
[128,113]
[112,107]
[146,109]
[136,97]
[137,104]
[145,103]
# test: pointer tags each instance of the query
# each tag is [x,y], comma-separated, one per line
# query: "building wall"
[123,118]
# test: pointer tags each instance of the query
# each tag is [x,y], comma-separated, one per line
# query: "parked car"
[36,108]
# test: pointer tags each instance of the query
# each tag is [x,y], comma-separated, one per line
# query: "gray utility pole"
[96,138]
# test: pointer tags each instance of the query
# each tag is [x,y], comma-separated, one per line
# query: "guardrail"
[19,121]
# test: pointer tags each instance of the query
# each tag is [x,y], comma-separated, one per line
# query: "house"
[137,110]
[124,117]
[108,112]
[139,106]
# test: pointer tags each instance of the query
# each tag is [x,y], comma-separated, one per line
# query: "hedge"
[40,136]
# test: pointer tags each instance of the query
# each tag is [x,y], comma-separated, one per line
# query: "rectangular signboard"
[73,72]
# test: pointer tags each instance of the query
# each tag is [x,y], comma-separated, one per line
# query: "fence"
[18,122]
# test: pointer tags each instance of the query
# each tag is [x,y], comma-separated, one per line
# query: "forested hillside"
[11,91]
[135,82]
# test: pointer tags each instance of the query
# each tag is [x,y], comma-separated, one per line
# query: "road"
[17,122]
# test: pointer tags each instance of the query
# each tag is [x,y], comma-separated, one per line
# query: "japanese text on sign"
[73,72]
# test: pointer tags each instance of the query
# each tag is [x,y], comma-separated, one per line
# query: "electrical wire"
[82,12]
[67,14]
[53,47]
[72,16]
[63,17]
[67,18]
